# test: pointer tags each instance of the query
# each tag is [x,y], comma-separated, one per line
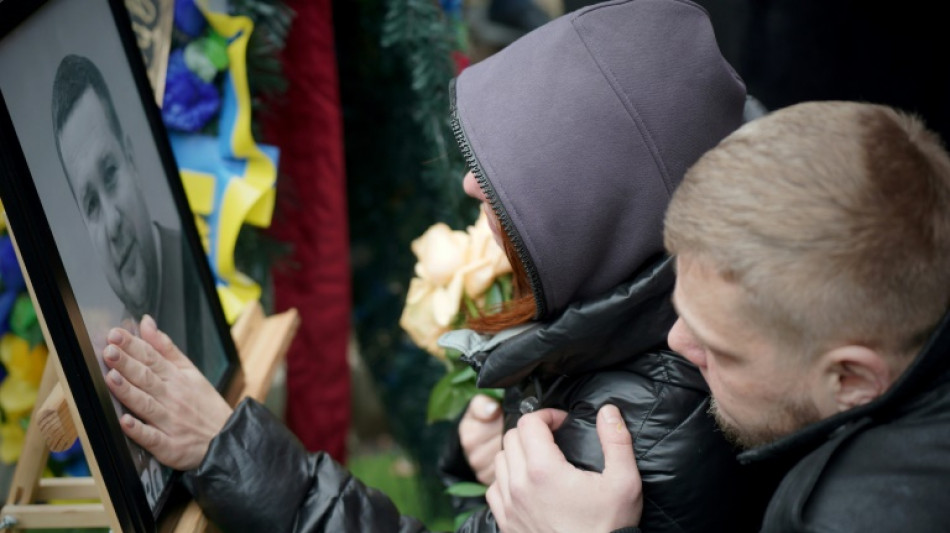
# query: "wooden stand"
[55,424]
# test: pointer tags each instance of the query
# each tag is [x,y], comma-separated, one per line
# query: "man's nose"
[682,342]
[114,222]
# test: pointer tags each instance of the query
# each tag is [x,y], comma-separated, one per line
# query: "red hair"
[519,310]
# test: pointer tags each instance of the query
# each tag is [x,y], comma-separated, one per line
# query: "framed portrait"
[93,197]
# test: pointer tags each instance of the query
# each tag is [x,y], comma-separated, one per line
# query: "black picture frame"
[66,247]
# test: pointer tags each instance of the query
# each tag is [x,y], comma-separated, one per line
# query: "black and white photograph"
[106,194]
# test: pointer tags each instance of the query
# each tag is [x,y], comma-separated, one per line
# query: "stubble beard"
[782,421]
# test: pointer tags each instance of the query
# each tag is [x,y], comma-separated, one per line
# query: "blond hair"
[833,217]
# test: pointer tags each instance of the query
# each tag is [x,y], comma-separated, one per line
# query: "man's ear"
[854,375]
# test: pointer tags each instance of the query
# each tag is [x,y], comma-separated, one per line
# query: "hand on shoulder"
[537,490]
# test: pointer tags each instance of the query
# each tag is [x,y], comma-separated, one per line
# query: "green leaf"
[494,296]
[506,288]
[467,490]
[470,305]
[465,374]
[498,394]
[448,397]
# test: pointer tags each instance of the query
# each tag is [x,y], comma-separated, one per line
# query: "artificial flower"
[11,281]
[17,396]
[188,18]
[11,441]
[207,56]
[23,321]
[189,102]
[22,362]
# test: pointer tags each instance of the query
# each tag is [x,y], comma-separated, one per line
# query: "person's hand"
[480,432]
[179,410]
[537,490]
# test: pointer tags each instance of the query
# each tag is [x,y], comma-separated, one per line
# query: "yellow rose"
[441,253]
[450,263]
[418,319]
[485,260]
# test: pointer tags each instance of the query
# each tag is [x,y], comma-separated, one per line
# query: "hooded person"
[576,135]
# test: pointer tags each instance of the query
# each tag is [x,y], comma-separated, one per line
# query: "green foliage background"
[404,173]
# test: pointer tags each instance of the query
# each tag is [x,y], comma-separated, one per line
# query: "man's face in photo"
[105,185]
[760,392]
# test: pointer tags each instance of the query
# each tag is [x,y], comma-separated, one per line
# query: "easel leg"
[32,460]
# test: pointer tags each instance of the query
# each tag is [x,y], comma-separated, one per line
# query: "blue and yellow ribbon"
[230,180]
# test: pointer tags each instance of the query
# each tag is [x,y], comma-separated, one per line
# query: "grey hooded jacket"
[578,148]
[578,132]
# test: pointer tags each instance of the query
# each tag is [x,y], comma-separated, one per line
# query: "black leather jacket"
[884,466]
[613,350]
[257,477]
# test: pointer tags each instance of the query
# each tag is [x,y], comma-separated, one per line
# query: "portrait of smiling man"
[99,163]
[143,261]
[813,283]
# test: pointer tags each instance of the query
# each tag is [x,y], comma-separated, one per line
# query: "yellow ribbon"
[247,198]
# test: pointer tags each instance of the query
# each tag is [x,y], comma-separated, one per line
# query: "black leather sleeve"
[258,477]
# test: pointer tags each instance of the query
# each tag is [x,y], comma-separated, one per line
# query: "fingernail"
[128,421]
[115,336]
[115,377]
[610,413]
[489,407]
[111,353]
[147,320]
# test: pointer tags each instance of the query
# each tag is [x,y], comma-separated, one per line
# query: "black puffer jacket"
[884,466]
[612,350]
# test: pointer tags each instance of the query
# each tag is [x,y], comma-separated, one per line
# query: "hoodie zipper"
[534,278]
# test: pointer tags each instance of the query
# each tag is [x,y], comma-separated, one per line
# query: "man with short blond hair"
[813,254]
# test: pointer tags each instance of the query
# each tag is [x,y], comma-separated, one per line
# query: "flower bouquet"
[458,274]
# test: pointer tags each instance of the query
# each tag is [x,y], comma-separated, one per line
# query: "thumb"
[616,442]
[484,408]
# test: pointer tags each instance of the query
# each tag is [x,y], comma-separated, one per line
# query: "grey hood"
[579,132]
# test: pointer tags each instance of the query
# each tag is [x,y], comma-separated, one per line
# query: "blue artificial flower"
[67,454]
[189,102]
[452,7]
[72,460]
[11,281]
[7,299]
[188,18]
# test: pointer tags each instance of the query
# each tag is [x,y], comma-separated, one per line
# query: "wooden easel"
[55,424]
